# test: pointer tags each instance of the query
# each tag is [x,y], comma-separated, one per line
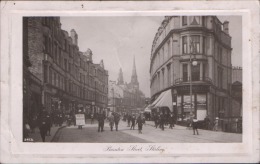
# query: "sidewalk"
[36,136]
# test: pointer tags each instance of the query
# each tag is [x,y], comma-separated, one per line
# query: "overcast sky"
[117,40]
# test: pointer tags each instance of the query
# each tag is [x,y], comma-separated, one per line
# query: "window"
[169,49]
[184,45]
[220,54]
[184,20]
[220,77]
[169,74]
[204,47]
[50,76]
[195,72]
[45,74]
[185,72]
[204,21]
[195,44]
[54,79]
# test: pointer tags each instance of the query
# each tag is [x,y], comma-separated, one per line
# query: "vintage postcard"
[130,82]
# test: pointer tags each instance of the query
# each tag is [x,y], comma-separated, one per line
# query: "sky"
[117,40]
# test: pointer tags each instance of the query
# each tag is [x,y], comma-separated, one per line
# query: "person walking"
[129,117]
[117,119]
[43,127]
[207,123]
[101,120]
[92,118]
[215,128]
[111,120]
[195,126]
[133,123]
[171,121]
[139,122]
[162,121]
[156,120]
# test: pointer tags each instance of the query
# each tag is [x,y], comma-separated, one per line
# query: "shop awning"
[148,109]
[166,100]
[158,99]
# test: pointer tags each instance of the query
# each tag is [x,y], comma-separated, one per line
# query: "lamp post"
[193,62]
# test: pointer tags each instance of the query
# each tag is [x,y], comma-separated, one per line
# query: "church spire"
[134,80]
[120,80]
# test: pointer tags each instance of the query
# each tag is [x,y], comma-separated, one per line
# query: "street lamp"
[193,62]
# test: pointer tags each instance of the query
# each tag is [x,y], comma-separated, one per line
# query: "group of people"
[132,120]
[162,120]
[44,121]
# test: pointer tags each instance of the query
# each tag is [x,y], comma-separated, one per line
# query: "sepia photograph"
[127,82]
[132,79]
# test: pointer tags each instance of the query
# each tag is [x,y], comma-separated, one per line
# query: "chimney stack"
[225,27]
[74,37]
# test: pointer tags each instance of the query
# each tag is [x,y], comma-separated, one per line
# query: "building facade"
[126,97]
[191,56]
[68,78]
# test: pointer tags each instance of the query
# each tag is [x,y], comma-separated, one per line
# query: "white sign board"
[80,119]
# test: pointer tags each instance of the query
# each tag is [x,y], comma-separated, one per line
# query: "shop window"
[195,72]
[195,44]
[185,72]
[184,45]
[184,20]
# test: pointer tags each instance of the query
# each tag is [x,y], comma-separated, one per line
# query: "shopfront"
[195,103]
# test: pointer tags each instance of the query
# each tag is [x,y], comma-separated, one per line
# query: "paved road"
[150,134]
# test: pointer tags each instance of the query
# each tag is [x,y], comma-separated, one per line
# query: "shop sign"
[80,119]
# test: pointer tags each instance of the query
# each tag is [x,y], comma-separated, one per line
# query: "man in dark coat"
[117,119]
[162,121]
[43,127]
[129,117]
[171,121]
[101,117]
[140,122]
[133,123]
[156,120]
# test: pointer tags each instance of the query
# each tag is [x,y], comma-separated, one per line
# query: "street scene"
[132,79]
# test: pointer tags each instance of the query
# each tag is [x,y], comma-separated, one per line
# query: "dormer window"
[184,20]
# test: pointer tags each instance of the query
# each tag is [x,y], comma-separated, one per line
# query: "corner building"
[180,40]
[68,78]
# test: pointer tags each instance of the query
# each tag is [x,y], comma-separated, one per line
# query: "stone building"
[191,55]
[126,97]
[68,79]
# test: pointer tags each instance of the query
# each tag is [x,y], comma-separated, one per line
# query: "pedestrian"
[140,122]
[133,123]
[43,127]
[33,123]
[101,117]
[215,128]
[171,121]
[48,124]
[206,123]
[156,120]
[195,126]
[129,117]
[92,118]
[117,119]
[111,120]
[162,121]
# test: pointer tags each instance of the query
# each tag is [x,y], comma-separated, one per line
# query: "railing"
[187,80]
